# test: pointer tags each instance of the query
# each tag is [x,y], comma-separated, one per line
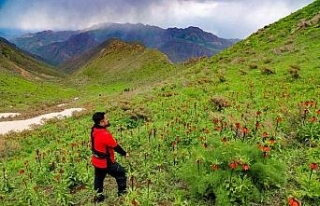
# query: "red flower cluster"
[233,165]
[265,135]
[314,166]
[308,104]
[245,167]
[245,131]
[293,202]
[214,167]
[266,148]
[312,119]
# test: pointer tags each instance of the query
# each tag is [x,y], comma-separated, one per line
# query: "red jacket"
[103,143]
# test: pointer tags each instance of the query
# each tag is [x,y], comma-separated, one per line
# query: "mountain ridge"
[199,43]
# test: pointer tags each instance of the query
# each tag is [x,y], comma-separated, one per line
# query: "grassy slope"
[27,83]
[182,110]
[119,65]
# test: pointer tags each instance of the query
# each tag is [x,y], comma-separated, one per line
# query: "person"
[103,146]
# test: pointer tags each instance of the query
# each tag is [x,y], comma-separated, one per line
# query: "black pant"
[116,171]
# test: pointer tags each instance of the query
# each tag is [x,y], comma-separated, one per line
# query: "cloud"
[225,18]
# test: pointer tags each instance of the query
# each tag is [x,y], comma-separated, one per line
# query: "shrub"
[267,71]
[226,186]
[219,102]
[294,73]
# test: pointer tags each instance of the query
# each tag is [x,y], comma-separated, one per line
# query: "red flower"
[245,130]
[237,125]
[216,120]
[314,166]
[245,167]
[258,125]
[318,111]
[272,141]
[21,172]
[258,113]
[293,202]
[266,148]
[214,167]
[265,135]
[233,165]
[312,119]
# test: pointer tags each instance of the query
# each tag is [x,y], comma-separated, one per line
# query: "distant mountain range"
[178,44]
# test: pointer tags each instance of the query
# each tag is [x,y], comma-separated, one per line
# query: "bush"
[267,71]
[226,186]
[294,73]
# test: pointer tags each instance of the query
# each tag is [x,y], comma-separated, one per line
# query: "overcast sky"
[225,18]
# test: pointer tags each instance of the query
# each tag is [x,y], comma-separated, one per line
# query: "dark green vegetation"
[241,128]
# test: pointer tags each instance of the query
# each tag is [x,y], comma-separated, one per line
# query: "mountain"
[33,41]
[28,65]
[178,44]
[118,62]
[58,52]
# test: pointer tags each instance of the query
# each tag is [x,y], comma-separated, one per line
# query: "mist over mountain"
[178,44]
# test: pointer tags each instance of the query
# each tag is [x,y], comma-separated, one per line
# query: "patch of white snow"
[20,125]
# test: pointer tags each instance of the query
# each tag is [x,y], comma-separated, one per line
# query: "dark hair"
[97,117]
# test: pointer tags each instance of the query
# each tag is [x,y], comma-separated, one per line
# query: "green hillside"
[117,65]
[240,128]
[27,83]
[124,63]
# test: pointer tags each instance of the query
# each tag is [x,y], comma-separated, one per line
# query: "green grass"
[20,94]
